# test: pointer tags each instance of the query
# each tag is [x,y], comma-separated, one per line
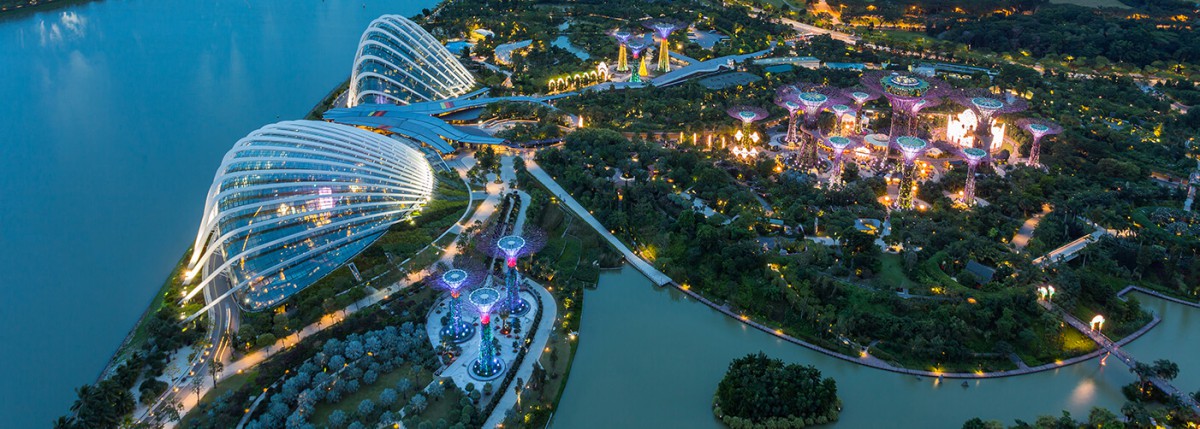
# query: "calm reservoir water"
[115,115]
[651,357]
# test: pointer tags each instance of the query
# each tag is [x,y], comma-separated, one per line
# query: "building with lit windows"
[398,62]
[293,201]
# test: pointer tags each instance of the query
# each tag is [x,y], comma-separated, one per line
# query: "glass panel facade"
[398,62]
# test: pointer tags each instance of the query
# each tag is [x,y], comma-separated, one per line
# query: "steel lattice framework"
[787,100]
[1038,128]
[292,201]
[911,147]
[663,27]
[903,90]
[987,108]
[839,144]
[973,156]
[813,99]
[622,37]
[398,62]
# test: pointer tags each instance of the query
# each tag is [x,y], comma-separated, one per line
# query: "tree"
[759,389]
[337,419]
[215,368]
[366,407]
[418,403]
[388,397]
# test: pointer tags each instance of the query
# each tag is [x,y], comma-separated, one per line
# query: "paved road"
[1026,231]
[654,274]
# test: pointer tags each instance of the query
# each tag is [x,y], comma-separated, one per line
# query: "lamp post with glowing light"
[986,109]
[973,156]
[1038,128]
[487,365]
[911,147]
[1098,323]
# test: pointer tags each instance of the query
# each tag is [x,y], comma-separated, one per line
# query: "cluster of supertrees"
[504,299]
[631,43]
[908,95]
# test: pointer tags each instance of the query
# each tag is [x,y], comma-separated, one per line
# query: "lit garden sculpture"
[622,37]
[839,144]
[973,156]
[636,45]
[787,100]
[916,108]
[487,365]
[861,95]
[846,115]
[511,246]
[903,90]
[748,115]
[986,109]
[911,147]
[663,27]
[1038,128]
[456,329]
[813,100]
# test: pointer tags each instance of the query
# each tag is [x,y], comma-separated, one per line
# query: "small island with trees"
[761,392]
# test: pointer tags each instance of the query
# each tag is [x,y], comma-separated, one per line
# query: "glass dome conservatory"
[398,62]
[293,201]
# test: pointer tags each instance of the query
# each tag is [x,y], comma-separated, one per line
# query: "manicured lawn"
[891,272]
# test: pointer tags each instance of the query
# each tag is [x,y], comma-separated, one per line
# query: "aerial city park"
[828,191]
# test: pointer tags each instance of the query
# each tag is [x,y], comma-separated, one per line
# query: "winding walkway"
[654,274]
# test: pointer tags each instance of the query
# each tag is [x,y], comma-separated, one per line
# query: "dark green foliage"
[758,388]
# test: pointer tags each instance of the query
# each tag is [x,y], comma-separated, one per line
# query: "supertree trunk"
[905,199]
[1035,151]
[969,189]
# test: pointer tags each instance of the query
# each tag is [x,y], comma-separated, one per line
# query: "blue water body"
[115,115]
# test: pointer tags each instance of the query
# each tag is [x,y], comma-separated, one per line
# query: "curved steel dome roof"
[398,62]
[293,201]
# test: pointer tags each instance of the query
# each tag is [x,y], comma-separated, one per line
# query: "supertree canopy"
[813,100]
[1038,128]
[636,45]
[861,95]
[510,248]
[787,101]
[622,37]
[456,281]
[986,109]
[847,117]
[911,147]
[973,156]
[747,115]
[487,366]
[916,108]
[663,27]
[903,90]
[839,144]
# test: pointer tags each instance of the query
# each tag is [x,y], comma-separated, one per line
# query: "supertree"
[973,156]
[847,116]
[487,366]
[636,45]
[986,109]
[903,90]
[911,147]
[456,280]
[663,27]
[861,95]
[1038,128]
[839,144]
[747,115]
[787,100]
[915,110]
[813,100]
[622,37]
[511,248]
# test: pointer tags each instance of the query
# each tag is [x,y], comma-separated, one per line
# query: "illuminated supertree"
[973,156]
[455,281]
[847,116]
[622,37]
[487,366]
[1038,128]
[786,99]
[903,90]
[915,110]
[747,115]
[861,95]
[663,27]
[839,144]
[636,45]
[511,246]
[813,100]
[986,109]
[911,147]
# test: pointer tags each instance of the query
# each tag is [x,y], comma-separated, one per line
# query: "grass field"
[891,272]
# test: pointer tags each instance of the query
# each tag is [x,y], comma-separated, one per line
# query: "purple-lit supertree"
[636,45]
[622,37]
[839,144]
[487,366]
[663,27]
[861,95]
[455,281]
[787,100]
[986,109]
[916,108]
[911,147]
[813,100]
[903,90]
[973,156]
[747,115]
[511,248]
[1038,128]
[846,115]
